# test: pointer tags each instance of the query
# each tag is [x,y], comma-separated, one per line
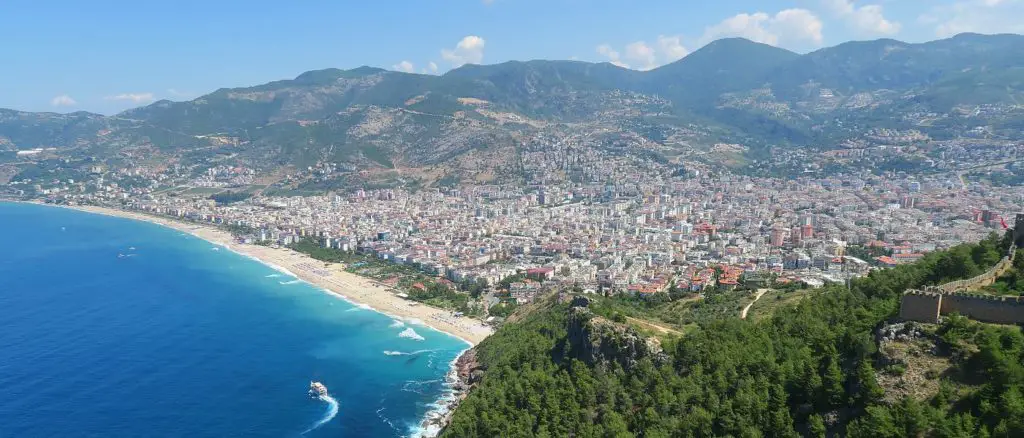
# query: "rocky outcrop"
[598,341]
[465,373]
[910,361]
[468,370]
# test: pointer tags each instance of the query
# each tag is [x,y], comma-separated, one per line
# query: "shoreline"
[330,277]
[358,291]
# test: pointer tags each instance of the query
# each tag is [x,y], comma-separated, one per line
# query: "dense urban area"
[635,227]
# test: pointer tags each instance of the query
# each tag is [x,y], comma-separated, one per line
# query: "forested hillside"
[813,369]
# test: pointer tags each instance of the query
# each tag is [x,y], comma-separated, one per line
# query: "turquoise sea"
[111,327]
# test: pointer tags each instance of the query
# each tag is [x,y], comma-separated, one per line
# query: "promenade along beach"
[329,276]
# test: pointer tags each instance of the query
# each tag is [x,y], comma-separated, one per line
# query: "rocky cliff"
[598,341]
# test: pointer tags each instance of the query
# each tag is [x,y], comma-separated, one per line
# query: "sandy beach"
[329,276]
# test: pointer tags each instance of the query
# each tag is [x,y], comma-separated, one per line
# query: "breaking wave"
[272,276]
[430,426]
[409,333]
[402,353]
[396,324]
[290,282]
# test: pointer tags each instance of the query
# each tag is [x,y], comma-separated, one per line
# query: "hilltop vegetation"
[809,370]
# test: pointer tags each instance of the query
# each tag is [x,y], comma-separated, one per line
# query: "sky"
[106,56]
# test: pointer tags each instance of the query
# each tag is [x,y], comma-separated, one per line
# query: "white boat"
[317,389]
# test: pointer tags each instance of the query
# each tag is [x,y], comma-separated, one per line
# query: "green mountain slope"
[25,130]
[812,369]
[855,67]
[733,64]
[742,91]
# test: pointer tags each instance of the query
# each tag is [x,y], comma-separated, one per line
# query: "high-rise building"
[778,237]
[807,231]
[987,216]
[907,202]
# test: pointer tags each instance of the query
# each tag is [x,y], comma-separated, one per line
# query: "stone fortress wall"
[982,280]
[952,297]
[925,306]
[920,306]
[985,308]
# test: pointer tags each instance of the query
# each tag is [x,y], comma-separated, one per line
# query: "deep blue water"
[182,340]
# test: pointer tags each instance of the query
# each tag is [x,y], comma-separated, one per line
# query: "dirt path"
[760,293]
[658,328]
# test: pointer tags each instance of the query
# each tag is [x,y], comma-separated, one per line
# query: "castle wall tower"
[1018,231]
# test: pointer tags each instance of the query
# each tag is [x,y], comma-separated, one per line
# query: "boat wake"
[332,411]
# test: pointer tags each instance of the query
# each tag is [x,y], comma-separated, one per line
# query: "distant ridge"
[738,90]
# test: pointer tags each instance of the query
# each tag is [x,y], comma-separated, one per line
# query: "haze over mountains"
[731,91]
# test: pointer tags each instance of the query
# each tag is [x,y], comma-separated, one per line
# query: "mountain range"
[730,91]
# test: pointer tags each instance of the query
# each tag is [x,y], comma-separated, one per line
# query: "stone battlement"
[927,306]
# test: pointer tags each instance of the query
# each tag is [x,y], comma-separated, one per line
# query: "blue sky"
[109,55]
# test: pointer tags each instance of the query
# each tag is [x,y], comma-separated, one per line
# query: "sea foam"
[332,411]
[409,333]
[428,428]
[402,353]
[360,306]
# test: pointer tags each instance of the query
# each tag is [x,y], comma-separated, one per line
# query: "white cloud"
[469,50]
[132,97]
[749,26]
[789,28]
[798,25]
[404,66]
[672,48]
[797,28]
[867,19]
[612,55]
[980,16]
[63,100]
[431,68]
[642,54]
[645,56]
